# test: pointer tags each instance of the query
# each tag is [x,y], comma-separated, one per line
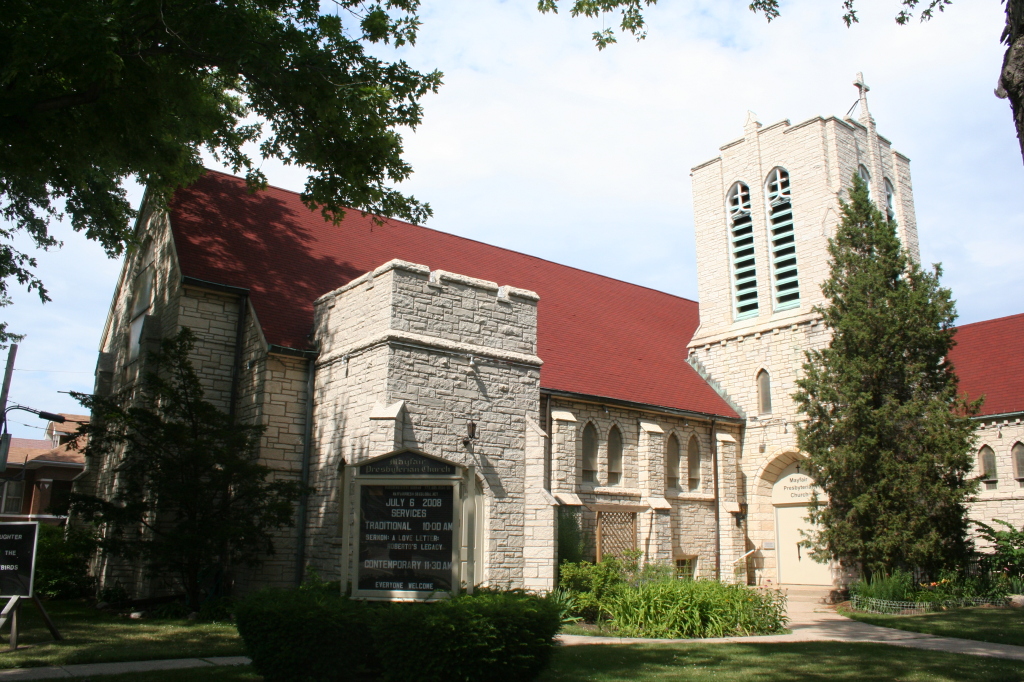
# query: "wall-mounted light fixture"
[470,433]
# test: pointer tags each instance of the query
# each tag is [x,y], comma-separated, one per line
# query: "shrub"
[589,585]
[62,562]
[486,636]
[1007,545]
[307,635]
[695,608]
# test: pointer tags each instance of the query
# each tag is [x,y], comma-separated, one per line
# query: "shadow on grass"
[92,636]
[757,662]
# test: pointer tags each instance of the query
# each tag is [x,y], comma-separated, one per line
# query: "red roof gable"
[597,336]
[989,359]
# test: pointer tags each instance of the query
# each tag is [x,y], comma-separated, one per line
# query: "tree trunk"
[1011,80]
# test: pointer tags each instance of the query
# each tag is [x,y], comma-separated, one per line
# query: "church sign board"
[17,558]
[407,542]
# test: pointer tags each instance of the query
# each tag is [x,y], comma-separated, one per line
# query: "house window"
[693,463]
[14,492]
[590,454]
[744,275]
[987,456]
[686,568]
[890,201]
[614,456]
[672,463]
[142,301]
[764,392]
[786,287]
[1018,462]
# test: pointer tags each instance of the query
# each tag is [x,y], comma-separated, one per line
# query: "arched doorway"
[790,496]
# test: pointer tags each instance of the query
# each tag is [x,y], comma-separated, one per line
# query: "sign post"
[17,574]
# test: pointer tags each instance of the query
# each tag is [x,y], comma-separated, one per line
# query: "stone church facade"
[549,396]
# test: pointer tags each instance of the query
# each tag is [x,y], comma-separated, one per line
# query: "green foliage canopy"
[93,92]
[888,436]
[192,498]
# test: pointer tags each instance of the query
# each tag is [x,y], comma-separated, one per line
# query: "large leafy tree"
[93,92]
[192,499]
[888,435]
[1011,78]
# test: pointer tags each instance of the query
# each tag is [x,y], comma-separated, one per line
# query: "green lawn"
[762,662]
[793,662]
[92,636]
[1001,626]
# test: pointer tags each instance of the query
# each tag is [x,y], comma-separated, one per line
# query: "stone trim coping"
[394,336]
[999,419]
[639,407]
[436,278]
[809,319]
[690,497]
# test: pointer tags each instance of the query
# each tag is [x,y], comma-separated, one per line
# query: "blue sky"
[540,143]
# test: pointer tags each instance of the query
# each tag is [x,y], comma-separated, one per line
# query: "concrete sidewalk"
[90,669]
[820,623]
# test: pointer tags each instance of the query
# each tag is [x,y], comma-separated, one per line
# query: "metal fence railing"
[916,608]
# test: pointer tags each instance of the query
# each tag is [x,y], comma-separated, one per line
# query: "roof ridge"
[477,241]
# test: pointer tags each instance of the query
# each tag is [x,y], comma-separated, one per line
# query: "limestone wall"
[408,357]
[1005,499]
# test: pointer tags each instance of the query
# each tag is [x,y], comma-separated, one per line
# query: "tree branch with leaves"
[190,497]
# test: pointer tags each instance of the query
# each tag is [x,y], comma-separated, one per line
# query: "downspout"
[547,444]
[307,441]
[236,370]
[718,527]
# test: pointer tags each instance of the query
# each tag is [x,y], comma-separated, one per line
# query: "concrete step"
[813,594]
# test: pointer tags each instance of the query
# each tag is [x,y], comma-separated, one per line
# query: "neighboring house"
[534,392]
[39,475]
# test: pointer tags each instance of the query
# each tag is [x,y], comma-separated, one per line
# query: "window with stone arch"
[693,463]
[764,392]
[141,302]
[785,283]
[862,171]
[890,201]
[589,453]
[614,456]
[1017,451]
[672,463]
[741,239]
[987,462]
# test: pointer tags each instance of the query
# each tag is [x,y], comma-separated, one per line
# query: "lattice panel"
[616,533]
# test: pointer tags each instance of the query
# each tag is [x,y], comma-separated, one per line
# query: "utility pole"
[5,439]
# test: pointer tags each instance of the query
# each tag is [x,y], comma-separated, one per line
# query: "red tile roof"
[989,359]
[597,336]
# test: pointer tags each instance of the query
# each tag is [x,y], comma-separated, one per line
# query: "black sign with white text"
[405,538]
[17,558]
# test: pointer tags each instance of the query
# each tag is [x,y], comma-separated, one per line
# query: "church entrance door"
[796,564]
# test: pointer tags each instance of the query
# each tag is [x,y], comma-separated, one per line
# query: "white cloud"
[541,143]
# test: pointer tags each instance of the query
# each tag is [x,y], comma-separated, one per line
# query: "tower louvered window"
[744,273]
[785,286]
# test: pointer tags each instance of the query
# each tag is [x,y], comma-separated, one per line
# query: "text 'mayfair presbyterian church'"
[454,404]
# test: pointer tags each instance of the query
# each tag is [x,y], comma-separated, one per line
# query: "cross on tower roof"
[863,88]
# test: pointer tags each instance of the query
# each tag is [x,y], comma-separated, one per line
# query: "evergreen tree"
[889,437]
[191,499]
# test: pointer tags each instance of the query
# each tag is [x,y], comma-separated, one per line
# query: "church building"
[458,406]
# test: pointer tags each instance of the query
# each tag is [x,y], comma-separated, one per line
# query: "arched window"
[741,227]
[987,459]
[672,463]
[764,392]
[589,454]
[786,287]
[1018,462]
[614,456]
[862,171]
[890,201]
[142,301]
[693,463]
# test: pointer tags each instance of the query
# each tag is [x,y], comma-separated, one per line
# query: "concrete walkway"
[91,669]
[812,622]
